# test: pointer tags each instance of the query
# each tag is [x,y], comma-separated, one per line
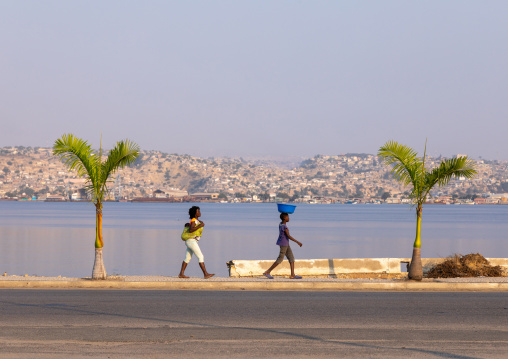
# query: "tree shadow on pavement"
[73,308]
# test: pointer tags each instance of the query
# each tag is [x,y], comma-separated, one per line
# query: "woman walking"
[191,235]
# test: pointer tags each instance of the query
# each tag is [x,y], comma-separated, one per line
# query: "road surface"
[226,324]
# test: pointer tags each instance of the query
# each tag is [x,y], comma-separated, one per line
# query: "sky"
[257,78]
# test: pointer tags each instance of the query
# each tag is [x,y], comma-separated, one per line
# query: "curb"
[260,286]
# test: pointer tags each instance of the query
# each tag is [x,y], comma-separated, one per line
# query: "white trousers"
[193,248]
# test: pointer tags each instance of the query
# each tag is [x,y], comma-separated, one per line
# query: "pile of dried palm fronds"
[470,265]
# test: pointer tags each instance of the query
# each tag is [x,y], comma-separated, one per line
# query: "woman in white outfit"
[195,230]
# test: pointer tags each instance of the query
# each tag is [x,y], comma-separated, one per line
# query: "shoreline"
[245,202]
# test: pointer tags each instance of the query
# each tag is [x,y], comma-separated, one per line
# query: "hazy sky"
[254,78]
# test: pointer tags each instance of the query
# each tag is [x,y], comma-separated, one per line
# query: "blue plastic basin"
[285,208]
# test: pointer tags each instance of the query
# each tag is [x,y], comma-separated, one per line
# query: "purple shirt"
[283,240]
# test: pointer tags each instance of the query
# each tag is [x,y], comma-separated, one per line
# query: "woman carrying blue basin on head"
[285,249]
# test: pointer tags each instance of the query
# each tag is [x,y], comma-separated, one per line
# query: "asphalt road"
[205,324]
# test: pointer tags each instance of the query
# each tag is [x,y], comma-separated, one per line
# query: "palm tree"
[78,155]
[410,170]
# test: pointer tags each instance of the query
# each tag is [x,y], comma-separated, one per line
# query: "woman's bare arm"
[294,240]
[194,228]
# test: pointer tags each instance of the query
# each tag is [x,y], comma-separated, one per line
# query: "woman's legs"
[188,256]
[291,259]
[280,258]
[285,251]
[292,265]
[181,275]
[205,273]
[193,248]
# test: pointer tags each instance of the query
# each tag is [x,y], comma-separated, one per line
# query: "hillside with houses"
[32,173]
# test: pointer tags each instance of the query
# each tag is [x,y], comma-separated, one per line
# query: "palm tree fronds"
[410,169]
[76,154]
[448,169]
[123,154]
[404,160]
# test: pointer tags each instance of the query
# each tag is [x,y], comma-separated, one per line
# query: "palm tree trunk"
[415,268]
[98,226]
[99,271]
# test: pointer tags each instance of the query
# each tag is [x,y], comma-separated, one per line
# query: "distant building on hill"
[76,196]
[172,193]
[55,198]
[479,200]
[159,194]
[204,196]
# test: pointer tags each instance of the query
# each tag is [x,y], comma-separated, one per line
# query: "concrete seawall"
[334,267]
[319,275]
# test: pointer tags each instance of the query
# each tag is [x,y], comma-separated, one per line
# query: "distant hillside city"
[34,174]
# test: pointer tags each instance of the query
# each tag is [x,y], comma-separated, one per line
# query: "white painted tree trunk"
[99,271]
[415,267]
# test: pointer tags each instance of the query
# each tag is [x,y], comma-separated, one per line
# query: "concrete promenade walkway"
[497,284]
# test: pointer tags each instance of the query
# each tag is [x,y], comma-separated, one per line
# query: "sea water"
[51,239]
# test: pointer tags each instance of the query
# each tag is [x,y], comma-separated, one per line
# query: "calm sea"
[52,239]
